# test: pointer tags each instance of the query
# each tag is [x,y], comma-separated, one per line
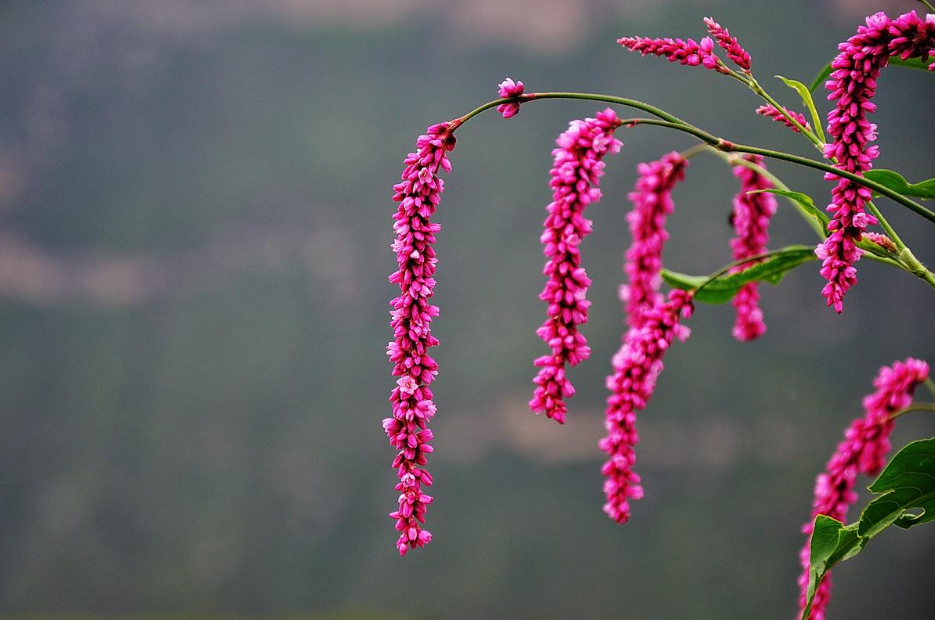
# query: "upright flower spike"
[576,171]
[750,218]
[652,203]
[772,112]
[853,84]
[636,367]
[690,52]
[737,54]
[863,451]
[418,196]
[509,88]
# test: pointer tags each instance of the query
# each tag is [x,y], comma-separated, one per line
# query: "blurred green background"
[194,229]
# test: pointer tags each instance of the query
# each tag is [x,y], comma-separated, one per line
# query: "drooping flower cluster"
[686,52]
[694,53]
[750,218]
[576,172]
[509,88]
[418,196]
[770,111]
[853,84]
[863,451]
[636,367]
[652,203]
[737,54]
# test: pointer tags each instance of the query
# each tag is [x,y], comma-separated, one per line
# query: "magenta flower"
[688,52]
[652,203]
[575,173]
[853,84]
[509,88]
[636,367]
[418,195]
[729,44]
[863,451]
[770,111]
[750,218]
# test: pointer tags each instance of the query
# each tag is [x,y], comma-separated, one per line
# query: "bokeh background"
[194,230]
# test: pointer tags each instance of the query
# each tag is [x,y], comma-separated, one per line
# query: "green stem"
[907,259]
[870,250]
[673,122]
[759,90]
[885,225]
[868,247]
[694,150]
[928,5]
[632,103]
[809,163]
[914,407]
[930,385]
[778,184]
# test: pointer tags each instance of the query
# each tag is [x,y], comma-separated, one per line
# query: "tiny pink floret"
[418,196]
[685,52]
[509,88]
[751,217]
[863,451]
[652,204]
[575,175]
[636,365]
[735,52]
[772,112]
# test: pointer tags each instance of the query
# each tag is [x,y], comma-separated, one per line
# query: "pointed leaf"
[806,96]
[724,288]
[912,63]
[898,183]
[831,542]
[907,482]
[803,202]
[821,78]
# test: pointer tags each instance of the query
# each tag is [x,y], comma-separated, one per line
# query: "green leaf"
[803,202]
[724,288]
[898,183]
[806,96]
[832,542]
[912,63]
[906,483]
[821,78]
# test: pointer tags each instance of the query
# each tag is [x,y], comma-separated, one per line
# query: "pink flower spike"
[688,52]
[863,451]
[652,204]
[770,111]
[750,218]
[575,173]
[737,54]
[509,88]
[636,367]
[853,83]
[418,196]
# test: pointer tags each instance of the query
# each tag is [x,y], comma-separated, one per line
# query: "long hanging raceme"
[418,196]
[575,173]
